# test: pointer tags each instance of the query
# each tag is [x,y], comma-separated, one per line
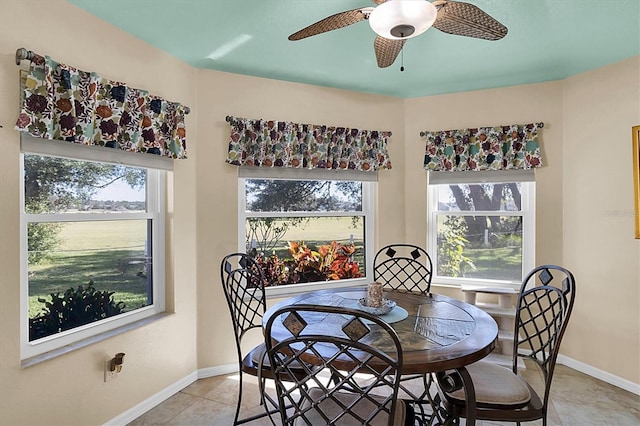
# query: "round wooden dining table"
[437,333]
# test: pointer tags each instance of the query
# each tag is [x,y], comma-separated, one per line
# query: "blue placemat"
[396,314]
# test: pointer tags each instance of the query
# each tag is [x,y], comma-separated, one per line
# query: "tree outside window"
[479,230]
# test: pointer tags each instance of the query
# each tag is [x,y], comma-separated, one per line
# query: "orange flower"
[146,121]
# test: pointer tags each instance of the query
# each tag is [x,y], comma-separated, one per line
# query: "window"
[481,226]
[92,246]
[307,228]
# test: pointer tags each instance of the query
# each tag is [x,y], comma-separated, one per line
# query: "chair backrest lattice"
[243,284]
[336,361]
[403,267]
[544,306]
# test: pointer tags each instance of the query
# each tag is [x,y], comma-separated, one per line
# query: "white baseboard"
[600,374]
[154,400]
[203,373]
[146,405]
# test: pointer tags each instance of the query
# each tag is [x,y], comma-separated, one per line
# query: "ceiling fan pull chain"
[402,60]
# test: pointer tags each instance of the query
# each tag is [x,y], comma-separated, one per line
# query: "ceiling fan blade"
[387,50]
[467,20]
[333,22]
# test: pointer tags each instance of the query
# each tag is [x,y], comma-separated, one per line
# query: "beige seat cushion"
[258,353]
[362,408]
[496,385]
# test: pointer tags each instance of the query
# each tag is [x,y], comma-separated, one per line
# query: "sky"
[120,191]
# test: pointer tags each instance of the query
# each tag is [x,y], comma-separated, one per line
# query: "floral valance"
[484,148]
[65,103]
[266,143]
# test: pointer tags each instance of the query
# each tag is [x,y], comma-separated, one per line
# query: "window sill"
[28,362]
[294,289]
[480,283]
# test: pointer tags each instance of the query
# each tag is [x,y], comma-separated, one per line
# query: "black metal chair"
[407,267]
[403,267]
[243,284]
[542,312]
[357,344]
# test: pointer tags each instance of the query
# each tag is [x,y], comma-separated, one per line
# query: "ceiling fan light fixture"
[402,19]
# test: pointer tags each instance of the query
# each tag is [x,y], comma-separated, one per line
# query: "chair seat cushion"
[258,353]
[495,385]
[251,364]
[363,408]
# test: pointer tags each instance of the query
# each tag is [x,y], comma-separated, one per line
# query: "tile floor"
[577,400]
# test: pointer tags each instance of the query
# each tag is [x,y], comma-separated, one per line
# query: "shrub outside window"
[481,232]
[92,248]
[307,232]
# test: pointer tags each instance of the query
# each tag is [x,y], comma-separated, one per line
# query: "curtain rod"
[540,124]
[230,118]
[23,53]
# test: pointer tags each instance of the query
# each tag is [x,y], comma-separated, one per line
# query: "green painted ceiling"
[547,40]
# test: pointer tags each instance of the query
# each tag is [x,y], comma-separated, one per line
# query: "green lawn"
[93,251]
[496,263]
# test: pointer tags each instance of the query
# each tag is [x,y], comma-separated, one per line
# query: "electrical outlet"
[108,374]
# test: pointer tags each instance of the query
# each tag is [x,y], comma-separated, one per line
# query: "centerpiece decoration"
[374,295]
[374,303]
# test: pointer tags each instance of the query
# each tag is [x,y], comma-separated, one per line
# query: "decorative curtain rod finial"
[23,53]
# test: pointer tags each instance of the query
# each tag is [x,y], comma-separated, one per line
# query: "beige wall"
[600,107]
[584,217]
[70,389]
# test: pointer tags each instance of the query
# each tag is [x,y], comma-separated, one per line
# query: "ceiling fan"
[395,21]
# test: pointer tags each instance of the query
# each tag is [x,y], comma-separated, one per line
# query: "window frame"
[156,211]
[528,196]
[369,193]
